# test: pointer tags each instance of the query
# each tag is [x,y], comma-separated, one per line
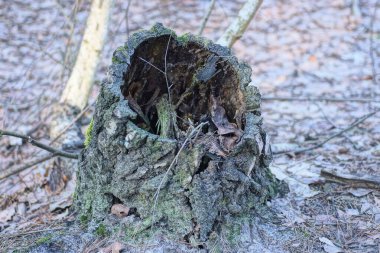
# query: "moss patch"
[88,133]
[101,230]
[45,239]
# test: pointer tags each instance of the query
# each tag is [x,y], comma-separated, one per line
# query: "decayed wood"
[177,138]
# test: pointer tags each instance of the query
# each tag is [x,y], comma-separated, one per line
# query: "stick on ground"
[29,139]
[350,127]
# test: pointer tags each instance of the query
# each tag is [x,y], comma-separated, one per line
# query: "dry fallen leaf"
[115,247]
[329,246]
[119,210]
[219,118]
[7,214]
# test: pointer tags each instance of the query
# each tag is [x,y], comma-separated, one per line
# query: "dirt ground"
[316,63]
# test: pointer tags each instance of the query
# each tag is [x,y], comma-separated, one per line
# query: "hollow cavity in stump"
[177,138]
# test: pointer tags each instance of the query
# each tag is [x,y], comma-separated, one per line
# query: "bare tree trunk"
[80,83]
[77,90]
[238,26]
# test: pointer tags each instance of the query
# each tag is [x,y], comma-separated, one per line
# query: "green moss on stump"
[45,239]
[101,230]
[88,133]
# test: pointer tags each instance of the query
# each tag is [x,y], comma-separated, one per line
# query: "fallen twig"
[334,125]
[11,171]
[355,181]
[206,17]
[371,47]
[29,139]
[318,99]
[30,232]
[238,26]
[357,122]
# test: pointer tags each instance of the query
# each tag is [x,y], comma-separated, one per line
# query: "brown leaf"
[115,247]
[218,116]
[228,142]
[120,210]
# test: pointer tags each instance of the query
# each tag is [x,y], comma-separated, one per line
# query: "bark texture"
[160,88]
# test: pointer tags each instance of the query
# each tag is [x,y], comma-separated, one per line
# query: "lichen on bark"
[221,173]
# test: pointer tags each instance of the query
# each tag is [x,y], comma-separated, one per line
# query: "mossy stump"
[177,139]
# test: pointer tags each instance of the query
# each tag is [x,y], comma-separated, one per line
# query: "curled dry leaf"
[329,246]
[219,118]
[229,133]
[119,210]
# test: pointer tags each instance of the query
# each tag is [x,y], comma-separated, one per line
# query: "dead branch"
[355,181]
[11,171]
[350,127]
[206,17]
[319,99]
[335,126]
[240,24]
[38,144]
[80,83]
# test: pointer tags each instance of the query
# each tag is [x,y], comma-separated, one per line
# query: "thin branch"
[166,75]
[240,24]
[334,125]
[206,17]
[29,139]
[152,65]
[371,47]
[318,99]
[168,86]
[350,127]
[127,17]
[364,181]
[29,232]
[11,171]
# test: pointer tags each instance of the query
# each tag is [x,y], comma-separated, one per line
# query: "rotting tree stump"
[177,139]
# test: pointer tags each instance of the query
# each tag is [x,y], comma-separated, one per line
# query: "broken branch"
[29,139]
[11,171]
[356,181]
[318,99]
[350,127]
[240,24]
[205,19]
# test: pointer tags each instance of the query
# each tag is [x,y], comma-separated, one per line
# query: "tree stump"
[176,140]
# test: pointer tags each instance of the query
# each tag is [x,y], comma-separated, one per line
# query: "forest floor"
[316,63]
